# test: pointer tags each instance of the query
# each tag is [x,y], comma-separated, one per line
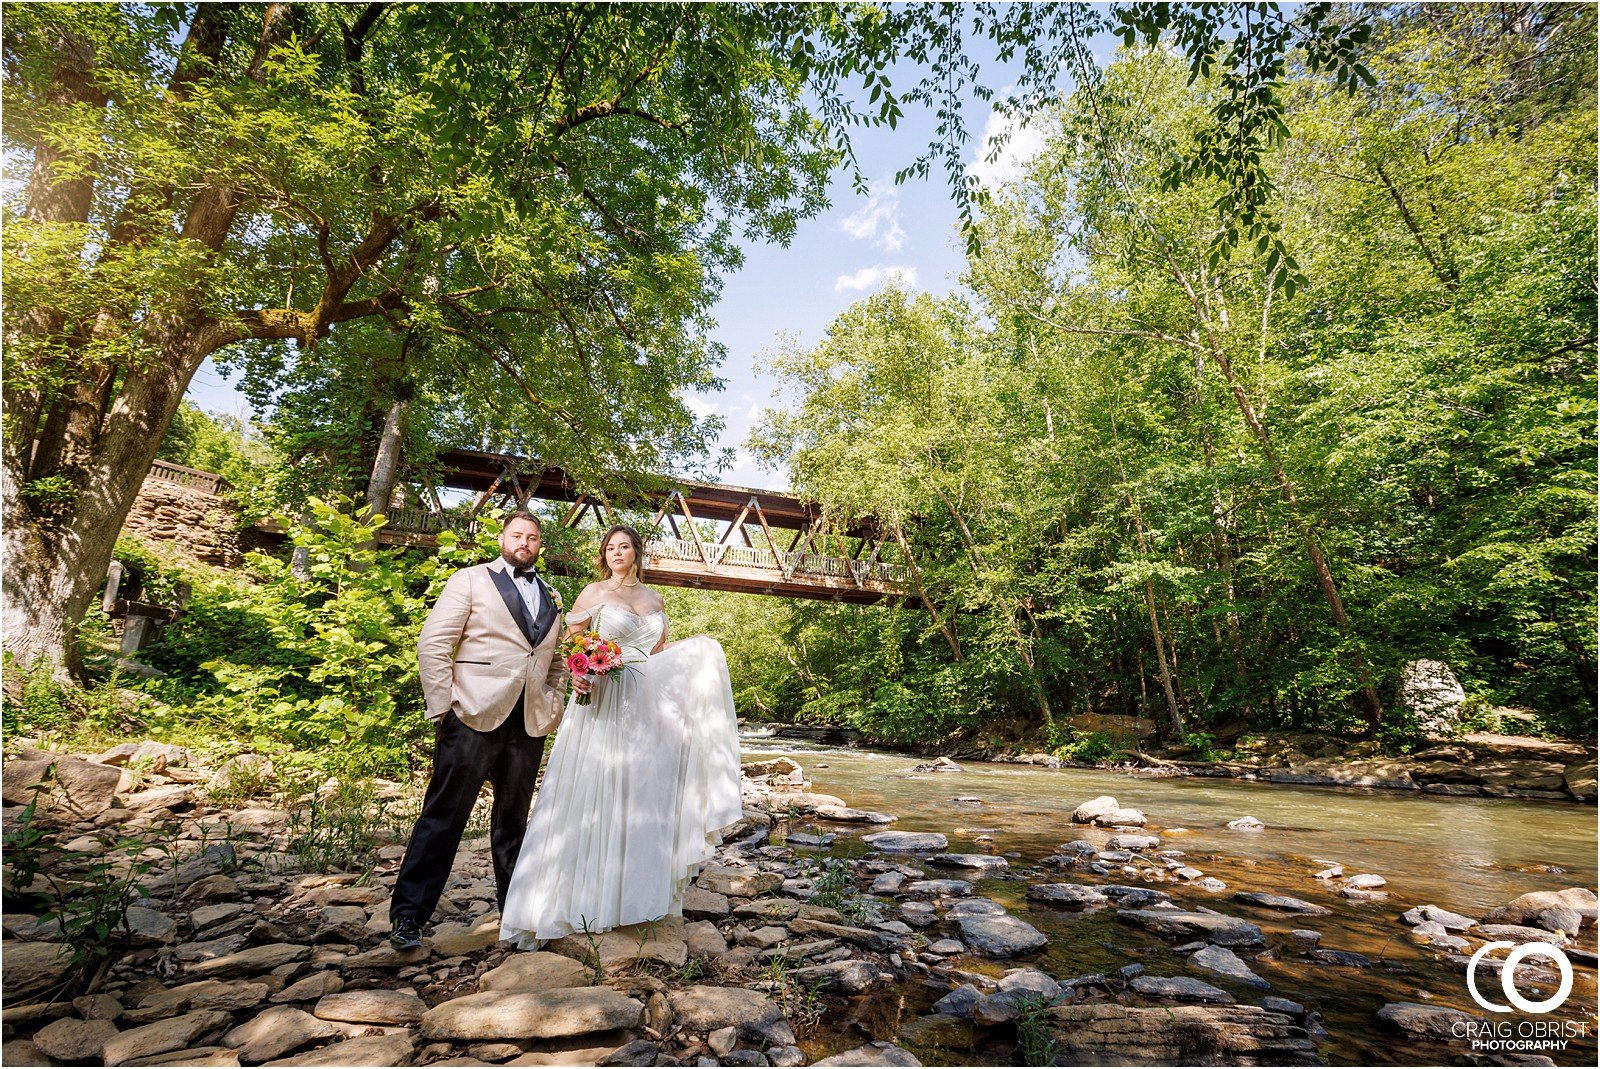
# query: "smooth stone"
[1180,988]
[1366,881]
[1212,884]
[1137,843]
[75,1041]
[982,862]
[887,883]
[1518,933]
[1431,914]
[254,960]
[938,764]
[1281,903]
[997,1009]
[701,903]
[1429,1022]
[959,1002]
[918,914]
[450,940]
[1305,937]
[937,887]
[879,1052]
[371,1006]
[1031,982]
[1134,897]
[758,1018]
[371,1051]
[846,815]
[1074,895]
[1525,909]
[174,1033]
[1287,1007]
[738,883]
[1348,959]
[906,842]
[1212,927]
[275,1032]
[535,970]
[999,937]
[974,907]
[1224,962]
[517,1015]
[701,938]
[946,947]
[318,984]
[33,967]
[205,995]
[851,977]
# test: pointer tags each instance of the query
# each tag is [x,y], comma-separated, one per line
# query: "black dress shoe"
[407,934]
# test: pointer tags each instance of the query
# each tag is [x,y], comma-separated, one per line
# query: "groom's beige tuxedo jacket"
[477,653]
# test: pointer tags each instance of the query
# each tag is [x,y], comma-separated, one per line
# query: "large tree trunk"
[386,466]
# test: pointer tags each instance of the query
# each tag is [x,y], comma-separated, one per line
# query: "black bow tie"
[524,573]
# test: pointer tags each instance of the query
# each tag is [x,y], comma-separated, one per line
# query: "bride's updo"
[638,551]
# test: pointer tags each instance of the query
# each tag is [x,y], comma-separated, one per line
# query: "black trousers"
[508,757]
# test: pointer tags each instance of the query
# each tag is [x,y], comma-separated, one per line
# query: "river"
[1465,854]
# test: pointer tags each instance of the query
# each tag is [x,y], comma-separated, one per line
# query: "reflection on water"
[1466,854]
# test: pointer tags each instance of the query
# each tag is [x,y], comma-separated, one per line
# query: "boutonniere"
[555,596]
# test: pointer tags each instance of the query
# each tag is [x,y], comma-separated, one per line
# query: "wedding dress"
[638,786]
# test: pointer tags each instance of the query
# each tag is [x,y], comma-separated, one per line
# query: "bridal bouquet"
[589,656]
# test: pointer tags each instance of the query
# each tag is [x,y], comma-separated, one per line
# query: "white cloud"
[872,277]
[1022,144]
[877,221]
[699,407]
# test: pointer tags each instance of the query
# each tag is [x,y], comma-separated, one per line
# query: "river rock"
[535,971]
[202,995]
[371,1006]
[959,1002]
[845,815]
[906,842]
[1224,962]
[1136,843]
[275,1032]
[174,1033]
[73,1041]
[850,977]
[938,764]
[937,887]
[999,937]
[1246,824]
[1520,933]
[372,1051]
[307,988]
[33,967]
[878,1052]
[254,960]
[1181,924]
[1070,895]
[974,907]
[1305,938]
[1366,881]
[1180,989]
[1112,1034]
[1428,1022]
[23,778]
[1430,692]
[1525,909]
[449,940]
[1280,903]
[1032,982]
[1211,884]
[517,1015]
[1454,922]
[705,1009]
[985,863]
[1348,959]
[150,928]
[739,883]
[1134,897]
[918,914]
[1105,812]
[887,883]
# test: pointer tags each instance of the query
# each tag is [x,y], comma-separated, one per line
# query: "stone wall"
[198,524]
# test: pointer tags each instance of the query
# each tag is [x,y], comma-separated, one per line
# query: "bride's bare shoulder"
[654,598]
[587,596]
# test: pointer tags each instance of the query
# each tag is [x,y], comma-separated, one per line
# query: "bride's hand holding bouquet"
[588,657]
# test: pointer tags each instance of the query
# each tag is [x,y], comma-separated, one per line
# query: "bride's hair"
[638,551]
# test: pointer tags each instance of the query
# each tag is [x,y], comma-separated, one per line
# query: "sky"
[904,234]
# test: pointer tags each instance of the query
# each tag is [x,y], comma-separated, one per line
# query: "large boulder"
[1111,1034]
[1527,909]
[1433,696]
[277,1031]
[33,967]
[1421,1021]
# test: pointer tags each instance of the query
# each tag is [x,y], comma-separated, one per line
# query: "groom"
[494,688]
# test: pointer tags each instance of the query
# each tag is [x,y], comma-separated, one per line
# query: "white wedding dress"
[638,786]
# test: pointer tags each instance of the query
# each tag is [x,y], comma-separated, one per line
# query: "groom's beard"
[518,558]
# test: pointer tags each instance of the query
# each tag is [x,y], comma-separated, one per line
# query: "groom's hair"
[524,514]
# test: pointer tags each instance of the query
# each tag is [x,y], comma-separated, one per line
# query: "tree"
[535,199]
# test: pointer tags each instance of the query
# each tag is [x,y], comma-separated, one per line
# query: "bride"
[639,782]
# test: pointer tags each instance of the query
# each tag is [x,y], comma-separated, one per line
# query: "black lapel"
[514,603]
[547,615]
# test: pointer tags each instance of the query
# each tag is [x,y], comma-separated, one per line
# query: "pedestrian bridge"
[770,542]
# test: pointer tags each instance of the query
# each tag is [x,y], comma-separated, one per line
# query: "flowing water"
[1464,854]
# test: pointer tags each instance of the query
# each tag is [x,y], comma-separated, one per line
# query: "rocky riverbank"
[236,953]
[1472,765]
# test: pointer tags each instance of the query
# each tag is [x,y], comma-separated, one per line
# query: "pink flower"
[578,664]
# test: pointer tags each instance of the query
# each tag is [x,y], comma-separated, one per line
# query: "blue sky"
[905,234]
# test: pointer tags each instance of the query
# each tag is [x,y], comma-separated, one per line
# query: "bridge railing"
[426,522]
[798,563]
[209,481]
